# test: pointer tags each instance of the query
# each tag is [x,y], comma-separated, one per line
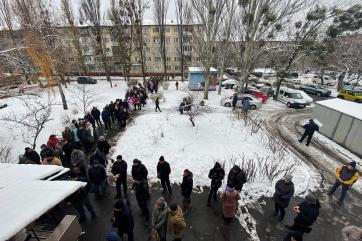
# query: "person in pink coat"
[229,198]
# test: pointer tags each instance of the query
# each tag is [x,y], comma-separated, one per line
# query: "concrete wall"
[341,128]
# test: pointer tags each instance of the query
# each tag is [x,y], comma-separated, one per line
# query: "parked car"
[267,90]
[292,98]
[351,95]
[229,83]
[257,93]
[231,71]
[86,80]
[3,105]
[316,89]
[306,97]
[326,80]
[255,103]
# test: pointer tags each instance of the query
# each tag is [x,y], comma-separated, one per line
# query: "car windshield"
[295,96]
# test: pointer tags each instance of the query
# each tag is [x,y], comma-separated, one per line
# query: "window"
[155,30]
[71,58]
[168,59]
[157,58]
[175,40]
[107,50]
[156,39]
[167,29]
[282,92]
[177,67]
[86,48]
[187,48]
[167,40]
[88,58]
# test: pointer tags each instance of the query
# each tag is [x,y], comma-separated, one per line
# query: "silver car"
[255,103]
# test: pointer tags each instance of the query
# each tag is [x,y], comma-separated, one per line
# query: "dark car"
[86,80]
[317,90]
[3,105]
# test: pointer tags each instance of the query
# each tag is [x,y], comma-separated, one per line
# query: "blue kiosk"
[197,78]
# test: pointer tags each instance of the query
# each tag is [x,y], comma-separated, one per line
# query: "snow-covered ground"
[14,134]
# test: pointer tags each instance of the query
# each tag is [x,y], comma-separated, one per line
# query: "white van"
[326,80]
[292,98]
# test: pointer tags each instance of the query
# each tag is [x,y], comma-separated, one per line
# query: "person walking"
[186,189]
[97,116]
[139,171]
[157,102]
[119,171]
[163,173]
[159,218]
[352,233]
[123,220]
[237,177]
[216,174]
[284,191]
[106,117]
[309,130]
[229,198]
[307,213]
[98,178]
[246,106]
[235,100]
[177,83]
[346,175]
[293,236]
[142,196]
[177,224]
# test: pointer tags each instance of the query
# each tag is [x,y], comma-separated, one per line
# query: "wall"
[341,128]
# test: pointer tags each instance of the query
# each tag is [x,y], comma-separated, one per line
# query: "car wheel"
[252,107]
[227,104]
[340,97]
[289,105]
[319,94]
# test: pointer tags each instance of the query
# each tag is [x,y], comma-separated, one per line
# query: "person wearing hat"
[346,175]
[32,156]
[216,174]
[119,171]
[229,198]
[309,130]
[284,191]
[177,224]
[307,213]
[103,146]
[50,159]
[293,236]
[139,171]
[163,173]
[186,189]
[159,218]
[123,220]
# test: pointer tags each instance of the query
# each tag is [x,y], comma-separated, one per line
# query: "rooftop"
[350,108]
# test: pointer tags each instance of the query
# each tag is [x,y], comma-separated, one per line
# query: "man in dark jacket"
[124,115]
[284,190]
[308,212]
[97,155]
[139,171]
[235,100]
[97,116]
[119,170]
[186,189]
[98,178]
[346,175]
[90,118]
[106,117]
[309,130]
[293,236]
[67,148]
[237,177]
[142,196]
[80,198]
[216,174]
[157,102]
[103,145]
[32,156]
[163,173]
[123,220]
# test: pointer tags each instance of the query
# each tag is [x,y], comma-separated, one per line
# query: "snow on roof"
[28,200]
[346,107]
[21,185]
[152,22]
[201,69]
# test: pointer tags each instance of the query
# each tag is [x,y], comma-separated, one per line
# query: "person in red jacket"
[53,142]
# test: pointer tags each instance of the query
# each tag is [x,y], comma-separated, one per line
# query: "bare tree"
[90,10]
[85,97]
[37,114]
[5,151]
[160,8]
[209,14]
[68,16]
[180,12]
[193,106]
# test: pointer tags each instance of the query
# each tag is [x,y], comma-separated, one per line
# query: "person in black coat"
[216,174]
[67,148]
[139,171]
[98,178]
[308,212]
[237,177]
[284,191]
[90,118]
[142,196]
[111,109]
[163,173]
[106,117]
[103,146]
[97,116]
[157,102]
[309,130]
[235,100]
[32,156]
[97,155]
[123,220]
[124,115]
[119,170]
[293,236]
[186,189]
